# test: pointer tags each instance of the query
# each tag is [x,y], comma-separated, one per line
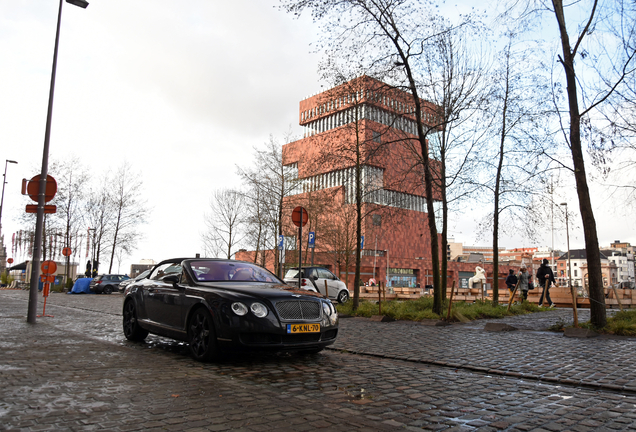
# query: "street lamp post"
[567,233]
[35,263]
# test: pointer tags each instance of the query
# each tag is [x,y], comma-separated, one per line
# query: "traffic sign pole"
[300,218]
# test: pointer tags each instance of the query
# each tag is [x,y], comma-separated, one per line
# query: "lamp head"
[565,204]
[80,3]
[10,161]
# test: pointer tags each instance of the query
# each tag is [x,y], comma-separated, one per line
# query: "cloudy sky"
[181,90]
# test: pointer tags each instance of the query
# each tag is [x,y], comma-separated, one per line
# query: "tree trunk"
[595,276]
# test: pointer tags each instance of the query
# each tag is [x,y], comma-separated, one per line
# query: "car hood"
[262,289]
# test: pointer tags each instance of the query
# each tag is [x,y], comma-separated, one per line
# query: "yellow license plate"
[303,328]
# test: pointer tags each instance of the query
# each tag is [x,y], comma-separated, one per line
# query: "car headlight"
[259,309]
[239,308]
[326,309]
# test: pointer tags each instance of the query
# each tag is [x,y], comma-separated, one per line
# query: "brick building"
[364,132]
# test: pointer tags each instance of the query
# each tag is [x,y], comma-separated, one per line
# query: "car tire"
[343,296]
[202,337]
[108,289]
[132,330]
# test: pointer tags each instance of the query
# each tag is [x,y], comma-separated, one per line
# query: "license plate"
[303,328]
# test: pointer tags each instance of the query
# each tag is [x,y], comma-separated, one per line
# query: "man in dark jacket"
[511,280]
[545,278]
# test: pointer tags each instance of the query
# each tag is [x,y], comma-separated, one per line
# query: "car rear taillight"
[98,282]
[303,282]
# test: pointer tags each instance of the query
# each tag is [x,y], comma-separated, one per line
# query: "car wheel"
[201,336]
[132,330]
[343,296]
[108,289]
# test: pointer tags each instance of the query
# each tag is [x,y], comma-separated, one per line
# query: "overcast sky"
[181,90]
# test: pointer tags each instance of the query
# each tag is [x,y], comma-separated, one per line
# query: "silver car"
[314,279]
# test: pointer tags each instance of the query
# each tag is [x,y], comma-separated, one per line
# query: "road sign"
[312,240]
[281,242]
[10,260]
[48,208]
[48,267]
[47,278]
[300,216]
[33,188]
[66,251]
[362,242]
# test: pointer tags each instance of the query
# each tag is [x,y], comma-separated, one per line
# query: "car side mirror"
[173,279]
[314,277]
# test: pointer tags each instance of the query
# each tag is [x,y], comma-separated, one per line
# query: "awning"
[21,266]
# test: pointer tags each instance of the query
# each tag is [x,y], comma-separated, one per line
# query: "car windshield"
[232,271]
[143,275]
[291,274]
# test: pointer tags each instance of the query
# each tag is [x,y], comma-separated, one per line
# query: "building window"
[377,137]
[575,273]
[377,219]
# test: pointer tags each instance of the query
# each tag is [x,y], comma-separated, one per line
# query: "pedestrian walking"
[545,278]
[524,278]
[511,280]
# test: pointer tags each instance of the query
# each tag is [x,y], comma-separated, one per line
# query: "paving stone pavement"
[76,372]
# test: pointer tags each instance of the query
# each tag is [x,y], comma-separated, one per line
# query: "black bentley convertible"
[218,304]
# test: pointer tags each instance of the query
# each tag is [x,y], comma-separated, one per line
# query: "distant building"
[378,122]
[578,258]
[137,269]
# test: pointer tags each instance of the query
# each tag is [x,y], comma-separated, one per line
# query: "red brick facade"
[381,141]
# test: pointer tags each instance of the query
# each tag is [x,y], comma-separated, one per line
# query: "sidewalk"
[604,362]
[76,371]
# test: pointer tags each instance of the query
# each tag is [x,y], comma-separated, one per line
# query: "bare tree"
[454,80]
[99,216]
[269,182]
[129,211]
[224,223]
[514,167]
[388,37]
[594,53]
[72,179]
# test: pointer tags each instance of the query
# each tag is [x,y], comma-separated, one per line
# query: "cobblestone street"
[76,371]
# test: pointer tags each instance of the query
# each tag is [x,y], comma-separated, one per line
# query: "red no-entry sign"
[300,217]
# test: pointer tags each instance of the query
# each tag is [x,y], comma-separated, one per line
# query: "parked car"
[218,304]
[122,285]
[313,278]
[106,284]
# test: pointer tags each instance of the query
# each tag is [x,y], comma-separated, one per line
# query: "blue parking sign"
[362,242]
[281,240]
[312,240]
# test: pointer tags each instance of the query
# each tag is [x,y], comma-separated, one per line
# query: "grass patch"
[422,308]
[623,323]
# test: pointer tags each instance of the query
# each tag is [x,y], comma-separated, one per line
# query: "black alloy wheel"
[108,289]
[201,336]
[132,330]
[343,296]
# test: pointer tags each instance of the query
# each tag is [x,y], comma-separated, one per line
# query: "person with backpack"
[545,278]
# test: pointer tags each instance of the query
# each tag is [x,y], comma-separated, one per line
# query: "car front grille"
[298,310]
